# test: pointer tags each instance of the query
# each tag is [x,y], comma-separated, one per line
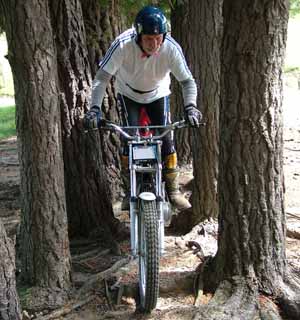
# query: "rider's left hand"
[192,115]
[92,118]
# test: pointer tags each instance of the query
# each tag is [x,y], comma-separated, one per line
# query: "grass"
[7,122]
[291,69]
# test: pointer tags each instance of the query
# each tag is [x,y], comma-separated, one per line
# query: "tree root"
[38,299]
[67,309]
[238,299]
[59,307]
[92,253]
[289,297]
[232,300]
[182,313]
[101,276]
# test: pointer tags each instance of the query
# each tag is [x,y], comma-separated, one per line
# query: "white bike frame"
[142,160]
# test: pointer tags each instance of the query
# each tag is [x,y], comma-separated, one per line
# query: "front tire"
[148,255]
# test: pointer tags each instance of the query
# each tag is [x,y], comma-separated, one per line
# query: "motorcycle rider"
[141,59]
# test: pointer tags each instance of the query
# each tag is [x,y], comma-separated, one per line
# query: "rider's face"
[151,43]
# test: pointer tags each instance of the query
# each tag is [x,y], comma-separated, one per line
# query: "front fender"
[147,196]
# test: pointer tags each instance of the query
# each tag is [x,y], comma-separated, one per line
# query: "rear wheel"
[148,256]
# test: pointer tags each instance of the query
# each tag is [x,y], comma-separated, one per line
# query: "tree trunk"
[251,243]
[252,219]
[103,23]
[9,301]
[33,59]
[180,31]
[88,197]
[197,26]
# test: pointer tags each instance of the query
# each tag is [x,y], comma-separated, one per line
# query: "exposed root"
[38,299]
[67,309]
[182,313]
[233,300]
[240,299]
[101,276]
[289,297]
[92,253]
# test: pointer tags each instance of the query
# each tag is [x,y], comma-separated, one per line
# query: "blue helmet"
[151,20]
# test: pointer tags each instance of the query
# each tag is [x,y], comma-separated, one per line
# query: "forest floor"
[113,295]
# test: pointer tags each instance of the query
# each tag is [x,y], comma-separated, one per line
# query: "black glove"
[92,118]
[192,115]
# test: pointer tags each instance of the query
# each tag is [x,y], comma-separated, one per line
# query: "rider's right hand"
[192,115]
[92,118]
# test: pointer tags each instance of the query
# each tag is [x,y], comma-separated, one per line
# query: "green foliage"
[290,69]
[25,295]
[7,122]
[1,23]
[130,8]
[294,8]
[1,26]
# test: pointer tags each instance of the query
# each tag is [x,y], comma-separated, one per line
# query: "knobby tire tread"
[149,213]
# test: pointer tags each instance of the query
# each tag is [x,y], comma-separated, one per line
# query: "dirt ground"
[180,261]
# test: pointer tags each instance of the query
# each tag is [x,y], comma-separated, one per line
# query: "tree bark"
[32,56]
[9,301]
[87,189]
[180,30]
[197,27]
[250,261]
[205,143]
[252,218]
[103,23]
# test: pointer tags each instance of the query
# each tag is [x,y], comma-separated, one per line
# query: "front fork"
[161,227]
[134,216]
[134,203]
[133,206]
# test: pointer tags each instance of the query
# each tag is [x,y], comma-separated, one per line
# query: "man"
[141,59]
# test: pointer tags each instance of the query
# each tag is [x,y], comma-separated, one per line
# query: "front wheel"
[148,255]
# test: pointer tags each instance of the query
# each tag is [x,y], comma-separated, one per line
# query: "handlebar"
[166,129]
[109,125]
